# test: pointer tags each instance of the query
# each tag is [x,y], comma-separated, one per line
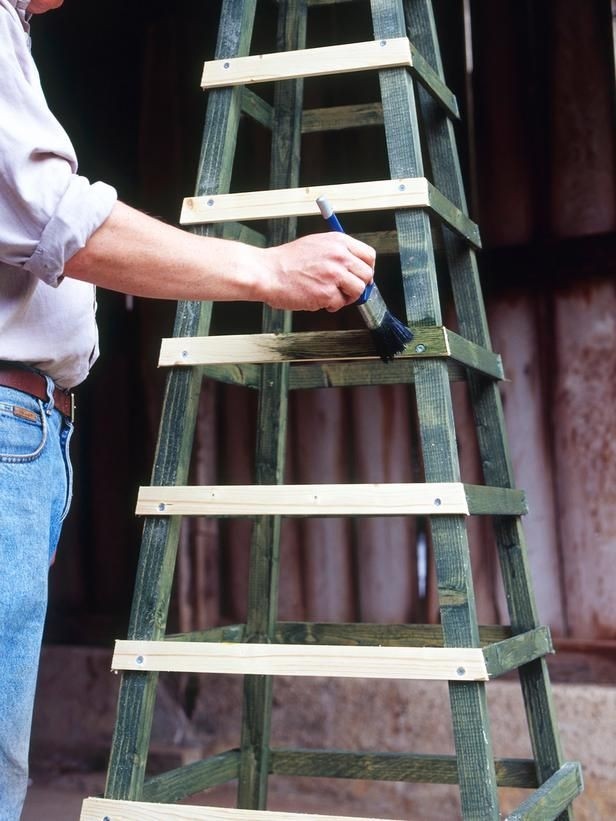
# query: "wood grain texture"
[437,431]
[316,346]
[393,499]
[553,798]
[379,195]
[338,661]
[97,809]
[286,202]
[310,62]
[487,408]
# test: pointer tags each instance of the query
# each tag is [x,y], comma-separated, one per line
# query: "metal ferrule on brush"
[372,308]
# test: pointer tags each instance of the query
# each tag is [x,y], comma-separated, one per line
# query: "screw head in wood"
[161,506]
[420,348]
[437,502]
[461,671]
[139,660]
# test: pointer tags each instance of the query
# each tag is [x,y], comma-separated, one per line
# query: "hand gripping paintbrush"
[389,335]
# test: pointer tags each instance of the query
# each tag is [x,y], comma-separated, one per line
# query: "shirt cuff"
[80,212]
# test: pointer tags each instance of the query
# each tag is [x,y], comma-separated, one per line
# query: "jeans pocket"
[66,441]
[23,431]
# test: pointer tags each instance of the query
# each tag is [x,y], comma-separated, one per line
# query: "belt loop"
[50,390]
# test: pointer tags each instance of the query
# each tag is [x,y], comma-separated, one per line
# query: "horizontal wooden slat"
[495,501]
[552,797]
[294,347]
[515,651]
[393,499]
[310,62]
[340,59]
[383,242]
[323,346]
[98,809]
[373,195]
[304,376]
[426,663]
[261,348]
[350,633]
[409,767]
[243,233]
[336,118]
[378,195]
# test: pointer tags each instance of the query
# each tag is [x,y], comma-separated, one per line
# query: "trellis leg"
[488,411]
[478,793]
[271,436]
[158,553]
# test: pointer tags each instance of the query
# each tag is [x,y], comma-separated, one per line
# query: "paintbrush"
[389,335]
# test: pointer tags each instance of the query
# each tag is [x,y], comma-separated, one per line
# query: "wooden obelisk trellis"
[413,94]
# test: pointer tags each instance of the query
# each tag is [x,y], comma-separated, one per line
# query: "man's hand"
[328,270]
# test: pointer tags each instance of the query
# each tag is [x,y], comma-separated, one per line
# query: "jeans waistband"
[35,384]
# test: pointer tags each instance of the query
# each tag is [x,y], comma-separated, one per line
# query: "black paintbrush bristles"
[389,335]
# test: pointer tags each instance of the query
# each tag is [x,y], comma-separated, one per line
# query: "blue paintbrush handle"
[327,212]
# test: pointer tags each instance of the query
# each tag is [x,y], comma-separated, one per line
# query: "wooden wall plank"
[517,323]
[585,453]
[385,548]
[321,451]
[582,141]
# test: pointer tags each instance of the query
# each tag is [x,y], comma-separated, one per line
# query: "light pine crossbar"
[99,809]
[371,55]
[374,195]
[310,62]
[395,499]
[336,661]
[377,195]
[321,346]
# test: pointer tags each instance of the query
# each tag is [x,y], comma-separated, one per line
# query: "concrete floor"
[52,804]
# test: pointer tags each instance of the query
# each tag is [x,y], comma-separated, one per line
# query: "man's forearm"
[139,255]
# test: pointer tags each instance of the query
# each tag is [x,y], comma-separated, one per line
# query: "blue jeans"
[35,493]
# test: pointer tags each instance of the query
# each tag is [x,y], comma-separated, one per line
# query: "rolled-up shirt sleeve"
[47,211]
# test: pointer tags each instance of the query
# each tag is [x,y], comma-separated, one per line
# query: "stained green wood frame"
[471,724]
[129,750]
[185,781]
[271,433]
[520,647]
[487,407]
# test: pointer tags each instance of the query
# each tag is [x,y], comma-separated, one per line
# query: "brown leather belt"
[36,385]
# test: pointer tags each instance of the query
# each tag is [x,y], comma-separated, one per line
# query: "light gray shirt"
[47,213]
